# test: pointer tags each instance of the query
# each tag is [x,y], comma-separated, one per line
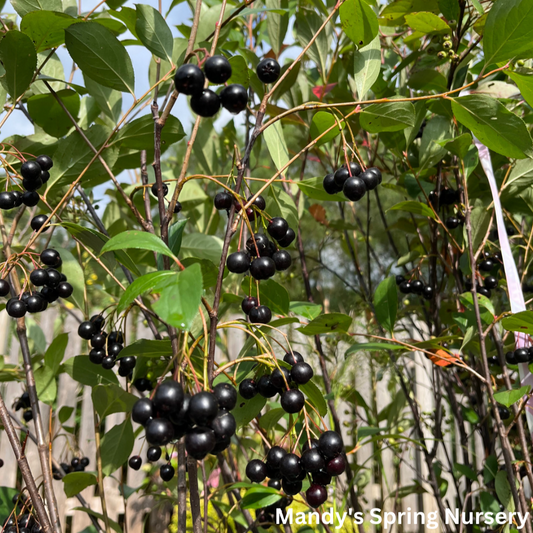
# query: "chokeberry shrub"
[295,241]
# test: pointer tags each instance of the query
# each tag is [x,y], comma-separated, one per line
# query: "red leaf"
[321,90]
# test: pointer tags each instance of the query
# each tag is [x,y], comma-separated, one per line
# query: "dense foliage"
[328,198]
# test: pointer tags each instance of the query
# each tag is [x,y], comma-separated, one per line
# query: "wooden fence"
[140,513]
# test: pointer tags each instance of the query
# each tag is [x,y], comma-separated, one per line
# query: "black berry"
[336,466]
[39,222]
[45,162]
[268,70]
[226,395]
[330,444]
[168,397]
[292,401]
[248,389]
[30,170]
[5,288]
[234,98]
[217,69]
[282,260]
[199,442]
[203,408]
[153,454]
[260,315]
[166,472]
[256,471]
[354,188]
[159,431]
[238,262]
[277,228]
[86,330]
[312,460]
[7,200]
[287,239]
[189,79]
[16,308]
[263,268]
[30,198]
[143,411]
[155,189]
[39,277]
[135,462]
[330,185]
[266,388]
[301,373]
[248,304]
[316,495]
[206,103]
[223,200]
[293,357]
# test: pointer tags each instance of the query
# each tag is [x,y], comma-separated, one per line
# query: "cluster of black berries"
[154,189]
[24,403]
[54,285]
[21,520]
[281,381]
[322,459]
[263,259]
[203,418]
[520,355]
[447,197]
[77,464]
[352,181]
[106,348]
[190,80]
[414,287]
[224,200]
[489,264]
[143,384]
[34,175]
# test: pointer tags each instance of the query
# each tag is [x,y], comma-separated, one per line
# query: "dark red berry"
[336,466]
[316,495]
[248,304]
[223,200]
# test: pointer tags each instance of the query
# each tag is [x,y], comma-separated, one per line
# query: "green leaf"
[154,281]
[315,397]
[45,383]
[6,504]
[23,7]
[490,469]
[374,347]
[367,66]
[239,71]
[390,116]
[431,151]
[305,309]
[524,80]
[108,100]
[175,235]
[46,28]
[495,126]
[153,31]
[313,188]
[425,22]
[464,470]
[259,497]
[417,208]
[202,246]
[55,352]
[480,218]
[47,113]
[99,516]
[116,447]
[359,22]
[280,204]
[75,482]
[65,413]
[488,503]
[271,294]
[179,301]
[450,9]
[427,80]
[328,323]
[277,147]
[140,240]
[269,420]
[522,322]
[386,303]
[277,23]
[246,410]
[322,121]
[100,55]
[72,269]
[509,397]
[148,348]
[503,490]
[73,155]
[109,399]
[19,59]
[458,146]
[81,369]
[139,133]
[307,27]
[508,30]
